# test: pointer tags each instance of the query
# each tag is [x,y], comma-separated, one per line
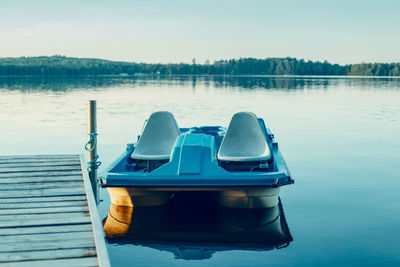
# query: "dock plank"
[35,216]
[38,199]
[36,160]
[47,254]
[47,245]
[30,186]
[45,210]
[42,192]
[48,214]
[40,179]
[54,172]
[76,262]
[40,168]
[19,157]
[33,205]
[43,221]
[54,237]
[27,164]
[46,229]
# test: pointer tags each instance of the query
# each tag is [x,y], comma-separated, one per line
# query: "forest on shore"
[69,66]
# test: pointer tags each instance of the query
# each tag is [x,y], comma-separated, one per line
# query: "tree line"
[68,66]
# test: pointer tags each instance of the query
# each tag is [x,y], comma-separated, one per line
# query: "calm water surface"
[339,136]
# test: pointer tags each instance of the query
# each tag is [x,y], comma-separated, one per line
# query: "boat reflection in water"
[193,226]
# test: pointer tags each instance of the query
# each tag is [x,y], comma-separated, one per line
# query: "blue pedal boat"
[242,163]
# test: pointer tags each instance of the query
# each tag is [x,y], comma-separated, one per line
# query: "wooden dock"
[48,214]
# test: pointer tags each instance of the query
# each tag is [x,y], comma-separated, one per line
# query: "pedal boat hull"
[193,166]
[247,198]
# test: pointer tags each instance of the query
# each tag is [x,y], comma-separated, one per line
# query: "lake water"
[339,136]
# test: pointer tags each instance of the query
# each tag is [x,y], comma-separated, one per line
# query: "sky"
[156,31]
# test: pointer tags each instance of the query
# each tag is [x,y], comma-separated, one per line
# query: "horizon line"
[189,63]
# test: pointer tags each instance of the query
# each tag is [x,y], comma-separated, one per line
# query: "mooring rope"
[92,164]
[92,140]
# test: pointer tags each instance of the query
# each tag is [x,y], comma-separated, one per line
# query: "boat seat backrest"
[244,140]
[158,137]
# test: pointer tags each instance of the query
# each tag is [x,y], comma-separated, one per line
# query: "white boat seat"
[244,140]
[158,137]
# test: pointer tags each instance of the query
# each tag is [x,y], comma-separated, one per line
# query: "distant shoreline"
[201,76]
[68,66]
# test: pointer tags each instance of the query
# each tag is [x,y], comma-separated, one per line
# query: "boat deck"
[48,213]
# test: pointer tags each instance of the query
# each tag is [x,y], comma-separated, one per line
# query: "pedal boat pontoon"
[196,229]
[242,163]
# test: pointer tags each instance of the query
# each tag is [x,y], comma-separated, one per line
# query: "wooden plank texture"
[40,169]
[76,262]
[40,179]
[46,229]
[39,164]
[38,199]
[43,210]
[54,237]
[101,249]
[47,254]
[33,205]
[45,185]
[47,213]
[54,172]
[30,186]
[19,157]
[40,220]
[42,192]
[47,245]
[36,160]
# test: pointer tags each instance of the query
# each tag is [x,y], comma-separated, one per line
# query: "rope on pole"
[93,142]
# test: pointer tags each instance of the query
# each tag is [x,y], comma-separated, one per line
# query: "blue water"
[339,136]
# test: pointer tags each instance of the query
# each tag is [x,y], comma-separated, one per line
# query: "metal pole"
[92,146]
